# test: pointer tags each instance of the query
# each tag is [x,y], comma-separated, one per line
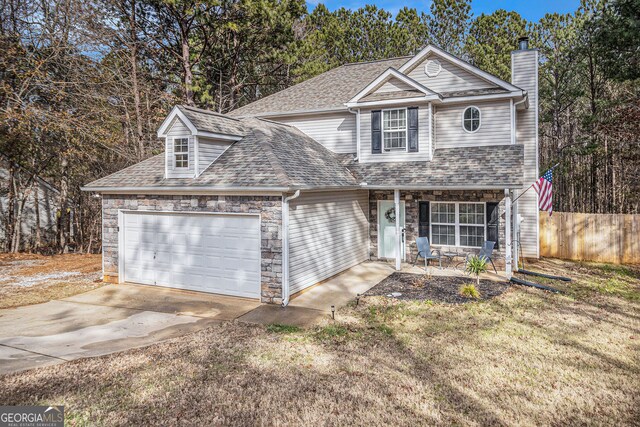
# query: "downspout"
[357,113]
[514,108]
[285,247]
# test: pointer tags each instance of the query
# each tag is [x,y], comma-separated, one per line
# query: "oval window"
[471,119]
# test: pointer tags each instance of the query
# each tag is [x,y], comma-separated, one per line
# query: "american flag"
[544,187]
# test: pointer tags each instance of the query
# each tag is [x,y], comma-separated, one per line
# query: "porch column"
[515,228]
[507,233]
[396,200]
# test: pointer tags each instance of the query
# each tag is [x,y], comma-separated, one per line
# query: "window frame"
[406,130]
[457,223]
[176,153]
[479,119]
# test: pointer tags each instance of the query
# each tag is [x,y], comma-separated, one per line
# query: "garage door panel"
[210,253]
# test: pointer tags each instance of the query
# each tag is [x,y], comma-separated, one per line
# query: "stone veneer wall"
[269,208]
[411,199]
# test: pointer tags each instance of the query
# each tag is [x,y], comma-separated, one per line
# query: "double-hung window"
[394,129]
[443,223]
[458,224]
[181,152]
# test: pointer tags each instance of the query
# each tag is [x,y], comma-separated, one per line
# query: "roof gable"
[434,52]
[391,82]
[203,123]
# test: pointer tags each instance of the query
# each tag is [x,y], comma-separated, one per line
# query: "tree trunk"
[133,58]
[11,206]
[36,209]
[63,243]
[186,66]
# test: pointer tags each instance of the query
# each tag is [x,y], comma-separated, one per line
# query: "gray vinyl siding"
[495,125]
[208,151]
[328,233]
[395,156]
[393,85]
[337,132]
[179,130]
[524,69]
[451,77]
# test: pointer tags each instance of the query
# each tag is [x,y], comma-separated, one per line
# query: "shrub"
[476,265]
[469,291]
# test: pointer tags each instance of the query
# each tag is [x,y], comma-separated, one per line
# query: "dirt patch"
[437,288]
[32,279]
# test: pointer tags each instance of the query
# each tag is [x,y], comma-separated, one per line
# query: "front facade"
[351,165]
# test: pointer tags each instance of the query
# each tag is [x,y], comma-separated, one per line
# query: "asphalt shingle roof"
[399,94]
[329,90]
[270,155]
[473,167]
[210,121]
[473,92]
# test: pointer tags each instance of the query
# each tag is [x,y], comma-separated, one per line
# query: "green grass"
[278,328]
[331,332]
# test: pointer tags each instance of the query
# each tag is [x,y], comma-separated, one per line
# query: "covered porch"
[456,222]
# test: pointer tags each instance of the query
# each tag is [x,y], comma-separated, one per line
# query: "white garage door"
[199,252]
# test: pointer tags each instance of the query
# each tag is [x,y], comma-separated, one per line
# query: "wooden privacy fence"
[591,237]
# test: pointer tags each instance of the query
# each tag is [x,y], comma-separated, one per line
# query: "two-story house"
[351,165]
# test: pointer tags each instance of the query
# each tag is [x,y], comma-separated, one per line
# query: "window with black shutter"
[376,132]
[423,221]
[413,129]
[493,223]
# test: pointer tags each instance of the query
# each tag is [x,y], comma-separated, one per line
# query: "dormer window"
[181,152]
[394,129]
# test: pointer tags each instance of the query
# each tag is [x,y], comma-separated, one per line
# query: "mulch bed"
[436,288]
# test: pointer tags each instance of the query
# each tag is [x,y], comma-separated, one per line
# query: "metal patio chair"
[486,253]
[425,251]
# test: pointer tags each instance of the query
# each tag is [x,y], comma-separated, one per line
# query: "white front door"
[387,242]
[200,252]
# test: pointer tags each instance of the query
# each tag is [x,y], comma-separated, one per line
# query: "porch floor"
[445,271]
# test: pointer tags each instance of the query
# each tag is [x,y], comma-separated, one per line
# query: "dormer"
[195,138]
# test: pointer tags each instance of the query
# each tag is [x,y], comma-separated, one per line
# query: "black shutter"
[423,220]
[376,132]
[413,129]
[493,223]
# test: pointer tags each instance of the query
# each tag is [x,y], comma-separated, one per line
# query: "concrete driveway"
[106,320]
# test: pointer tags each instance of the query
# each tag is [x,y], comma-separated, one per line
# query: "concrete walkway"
[313,304]
[120,317]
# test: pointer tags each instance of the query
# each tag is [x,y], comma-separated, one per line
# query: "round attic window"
[432,68]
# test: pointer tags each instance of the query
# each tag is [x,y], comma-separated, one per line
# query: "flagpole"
[529,188]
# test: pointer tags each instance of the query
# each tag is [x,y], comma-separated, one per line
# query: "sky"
[531,10]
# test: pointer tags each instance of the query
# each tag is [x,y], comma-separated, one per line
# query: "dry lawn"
[32,279]
[524,358]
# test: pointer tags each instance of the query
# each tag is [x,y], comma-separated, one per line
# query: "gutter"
[285,247]
[441,187]
[185,190]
